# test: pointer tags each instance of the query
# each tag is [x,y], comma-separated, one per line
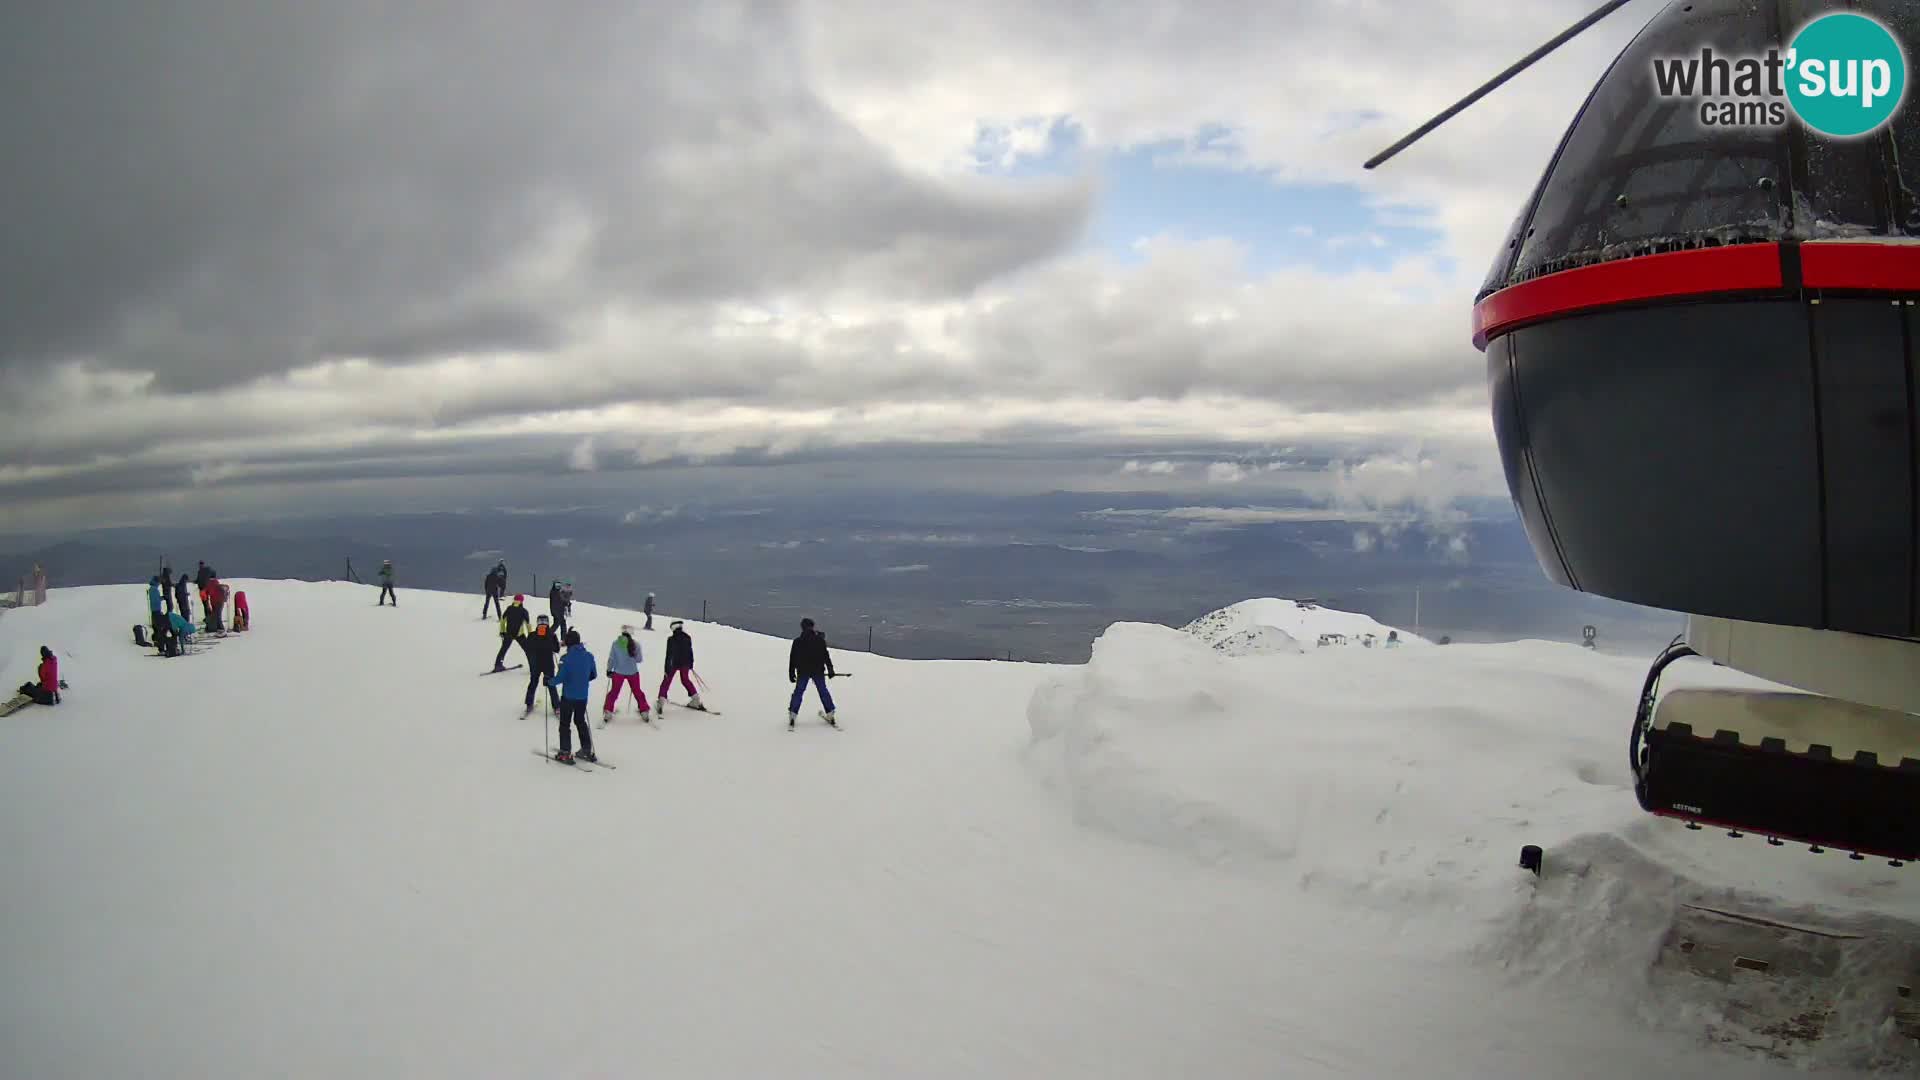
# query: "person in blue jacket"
[162,630]
[576,675]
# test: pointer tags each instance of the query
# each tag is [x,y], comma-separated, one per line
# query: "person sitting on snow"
[47,690]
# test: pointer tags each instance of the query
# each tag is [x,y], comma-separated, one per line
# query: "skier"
[649,611]
[386,584]
[162,630]
[496,588]
[513,626]
[217,606]
[623,668]
[541,646]
[557,607]
[47,690]
[183,631]
[200,579]
[166,587]
[576,675]
[809,661]
[184,610]
[680,662]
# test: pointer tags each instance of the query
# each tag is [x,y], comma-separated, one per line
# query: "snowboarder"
[386,584]
[576,675]
[680,662]
[649,611]
[513,626]
[809,661]
[541,646]
[496,588]
[623,669]
[47,690]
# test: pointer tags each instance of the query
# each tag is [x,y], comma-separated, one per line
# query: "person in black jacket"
[541,647]
[680,662]
[513,626]
[496,588]
[557,607]
[180,596]
[808,661]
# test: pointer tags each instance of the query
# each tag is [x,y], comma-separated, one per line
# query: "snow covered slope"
[1232,628]
[323,849]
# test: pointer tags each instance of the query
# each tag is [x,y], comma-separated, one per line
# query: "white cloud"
[1365,541]
[1151,468]
[582,458]
[1226,472]
[560,542]
[913,568]
[1253,515]
[642,515]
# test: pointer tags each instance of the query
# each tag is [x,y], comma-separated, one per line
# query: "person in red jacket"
[47,690]
[242,618]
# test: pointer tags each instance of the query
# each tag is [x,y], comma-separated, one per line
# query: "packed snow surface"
[323,849]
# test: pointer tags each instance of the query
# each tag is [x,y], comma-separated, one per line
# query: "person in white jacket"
[623,667]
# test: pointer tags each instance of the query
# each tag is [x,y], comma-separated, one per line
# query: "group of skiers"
[171,614]
[556,658]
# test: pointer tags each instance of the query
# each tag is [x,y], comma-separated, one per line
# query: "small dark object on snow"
[1530,858]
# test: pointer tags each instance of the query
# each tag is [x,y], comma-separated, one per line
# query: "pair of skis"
[583,766]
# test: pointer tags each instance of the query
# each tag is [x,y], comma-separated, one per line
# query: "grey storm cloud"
[214,190]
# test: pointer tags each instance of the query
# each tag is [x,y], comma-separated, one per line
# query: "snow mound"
[1405,783]
[1258,641]
[1385,774]
[1304,621]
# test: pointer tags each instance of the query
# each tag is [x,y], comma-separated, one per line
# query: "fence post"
[869,637]
[703,611]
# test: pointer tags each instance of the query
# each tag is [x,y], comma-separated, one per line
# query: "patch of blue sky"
[1199,189]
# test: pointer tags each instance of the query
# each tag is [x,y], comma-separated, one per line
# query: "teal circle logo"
[1847,75]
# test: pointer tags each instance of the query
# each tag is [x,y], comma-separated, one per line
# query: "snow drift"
[1405,782]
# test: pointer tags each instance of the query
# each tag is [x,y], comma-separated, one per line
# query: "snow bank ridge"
[1276,624]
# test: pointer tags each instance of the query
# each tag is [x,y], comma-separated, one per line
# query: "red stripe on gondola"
[1837,264]
[1669,275]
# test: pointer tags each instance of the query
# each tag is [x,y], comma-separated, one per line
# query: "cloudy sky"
[258,254]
